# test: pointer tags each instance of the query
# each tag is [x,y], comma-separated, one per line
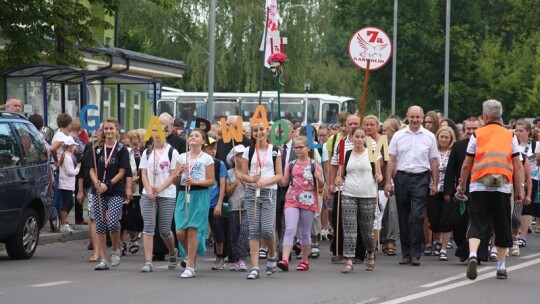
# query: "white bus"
[321,108]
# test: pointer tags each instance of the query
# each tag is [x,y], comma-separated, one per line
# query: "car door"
[13,187]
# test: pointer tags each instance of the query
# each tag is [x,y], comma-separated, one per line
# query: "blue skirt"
[196,216]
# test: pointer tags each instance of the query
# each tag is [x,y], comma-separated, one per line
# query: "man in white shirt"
[414,160]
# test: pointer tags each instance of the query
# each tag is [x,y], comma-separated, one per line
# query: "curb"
[47,237]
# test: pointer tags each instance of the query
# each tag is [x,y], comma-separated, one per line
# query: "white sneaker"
[115,259]
[66,229]
[103,265]
[514,251]
[147,267]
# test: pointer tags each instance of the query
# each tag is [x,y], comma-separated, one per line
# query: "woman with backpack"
[159,174]
[359,179]
[261,170]
[304,178]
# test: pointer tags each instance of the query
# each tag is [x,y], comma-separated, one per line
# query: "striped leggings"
[357,212]
[261,217]
[164,208]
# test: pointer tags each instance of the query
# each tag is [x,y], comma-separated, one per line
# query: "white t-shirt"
[158,171]
[359,180]
[196,166]
[58,136]
[531,155]
[265,157]
[414,150]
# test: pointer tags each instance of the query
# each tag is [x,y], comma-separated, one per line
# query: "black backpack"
[217,169]
[291,166]
[149,151]
[275,151]
[347,156]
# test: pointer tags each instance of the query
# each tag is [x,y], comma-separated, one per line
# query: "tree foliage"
[495,46]
[38,31]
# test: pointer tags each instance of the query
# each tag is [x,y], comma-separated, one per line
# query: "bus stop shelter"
[38,85]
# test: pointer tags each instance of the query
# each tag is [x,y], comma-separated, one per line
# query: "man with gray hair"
[13,104]
[493,163]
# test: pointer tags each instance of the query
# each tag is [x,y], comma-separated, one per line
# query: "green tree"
[39,31]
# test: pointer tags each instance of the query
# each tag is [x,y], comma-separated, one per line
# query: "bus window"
[225,108]
[313,111]
[348,106]
[188,108]
[166,106]
[330,113]
[248,105]
[291,109]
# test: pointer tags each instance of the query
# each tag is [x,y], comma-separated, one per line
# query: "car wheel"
[23,243]
[54,220]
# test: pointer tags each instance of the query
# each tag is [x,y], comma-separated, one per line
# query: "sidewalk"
[80,232]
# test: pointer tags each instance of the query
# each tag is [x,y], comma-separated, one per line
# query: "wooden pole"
[364,95]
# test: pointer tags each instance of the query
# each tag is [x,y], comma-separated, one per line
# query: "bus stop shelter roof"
[70,75]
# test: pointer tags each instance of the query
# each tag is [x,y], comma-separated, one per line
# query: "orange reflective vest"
[493,153]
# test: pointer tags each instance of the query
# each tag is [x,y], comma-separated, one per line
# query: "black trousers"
[412,193]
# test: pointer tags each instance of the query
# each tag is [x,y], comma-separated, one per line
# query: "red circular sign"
[370,44]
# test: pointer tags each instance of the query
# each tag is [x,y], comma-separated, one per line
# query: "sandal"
[337,259]
[370,264]
[93,258]
[303,266]
[134,246]
[347,269]
[391,249]
[253,274]
[283,265]
[443,257]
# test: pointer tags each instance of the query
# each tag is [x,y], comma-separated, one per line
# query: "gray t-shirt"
[235,200]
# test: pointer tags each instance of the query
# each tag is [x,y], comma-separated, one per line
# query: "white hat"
[68,141]
[235,150]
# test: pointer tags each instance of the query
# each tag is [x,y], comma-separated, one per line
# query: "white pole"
[211,62]
[447,58]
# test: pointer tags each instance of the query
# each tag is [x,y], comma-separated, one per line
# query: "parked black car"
[25,185]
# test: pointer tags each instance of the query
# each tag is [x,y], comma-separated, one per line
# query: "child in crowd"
[193,202]
[159,175]
[68,170]
[238,222]
[304,177]
[217,195]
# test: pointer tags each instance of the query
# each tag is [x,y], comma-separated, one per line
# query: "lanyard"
[260,162]
[157,158]
[107,158]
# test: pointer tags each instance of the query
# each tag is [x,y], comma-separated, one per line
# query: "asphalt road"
[60,273]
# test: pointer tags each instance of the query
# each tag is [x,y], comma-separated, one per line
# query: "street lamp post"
[307,88]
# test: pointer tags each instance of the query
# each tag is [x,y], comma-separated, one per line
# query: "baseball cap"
[68,141]
[234,151]
[210,141]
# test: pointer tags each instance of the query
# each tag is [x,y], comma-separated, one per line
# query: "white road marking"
[52,284]
[455,277]
[530,256]
[458,284]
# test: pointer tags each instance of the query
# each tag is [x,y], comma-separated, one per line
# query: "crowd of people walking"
[362,184]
